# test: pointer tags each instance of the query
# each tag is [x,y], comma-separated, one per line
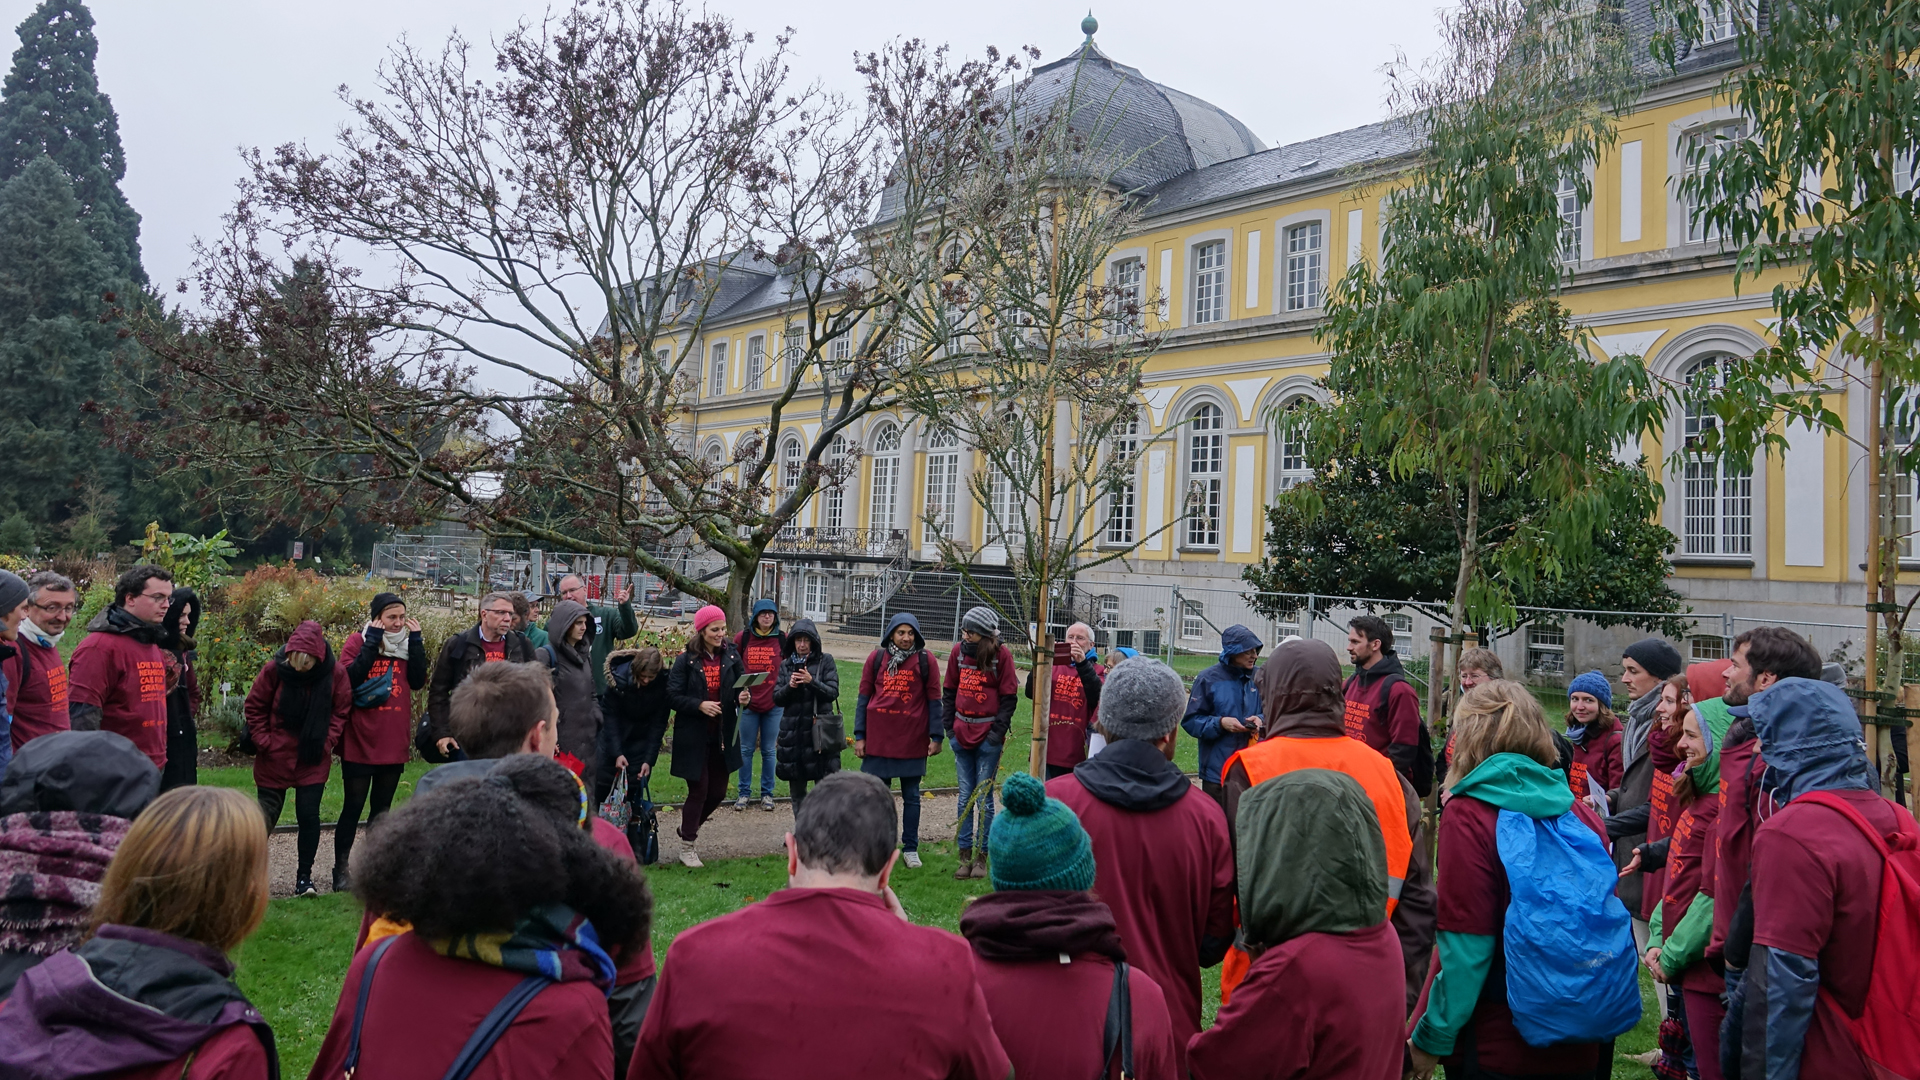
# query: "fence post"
[1309,623]
[959,596]
[1726,633]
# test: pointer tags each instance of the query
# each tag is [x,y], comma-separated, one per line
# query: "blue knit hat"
[1592,682]
[1037,842]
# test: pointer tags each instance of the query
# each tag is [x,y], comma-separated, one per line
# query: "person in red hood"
[295,712]
[1049,956]
[481,926]
[1164,863]
[825,979]
[117,677]
[37,677]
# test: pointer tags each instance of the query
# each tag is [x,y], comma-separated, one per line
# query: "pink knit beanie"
[707,616]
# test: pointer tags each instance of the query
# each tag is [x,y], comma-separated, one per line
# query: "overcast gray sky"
[194,80]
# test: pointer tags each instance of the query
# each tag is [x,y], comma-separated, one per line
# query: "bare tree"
[553,240]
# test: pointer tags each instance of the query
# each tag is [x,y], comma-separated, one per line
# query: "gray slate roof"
[1289,164]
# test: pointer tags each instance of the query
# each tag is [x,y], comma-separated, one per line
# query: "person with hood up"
[65,805]
[633,714]
[1320,1001]
[1816,879]
[177,646]
[1074,701]
[1683,920]
[976,712]
[1595,734]
[1383,710]
[1306,729]
[1047,952]
[150,994]
[295,713]
[1503,760]
[762,647]
[386,665]
[612,623]
[896,721]
[1223,709]
[806,688]
[567,655]
[117,677]
[36,677]
[706,731]
[1163,860]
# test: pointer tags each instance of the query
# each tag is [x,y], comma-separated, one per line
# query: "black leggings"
[362,781]
[306,811]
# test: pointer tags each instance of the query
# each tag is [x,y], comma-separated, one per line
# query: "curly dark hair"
[474,856]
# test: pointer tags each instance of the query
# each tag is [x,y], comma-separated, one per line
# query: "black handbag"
[829,734]
[1117,1036]
[643,829]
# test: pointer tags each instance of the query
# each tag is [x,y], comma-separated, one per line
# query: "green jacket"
[613,623]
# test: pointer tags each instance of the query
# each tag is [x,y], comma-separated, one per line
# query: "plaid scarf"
[897,655]
[552,940]
[51,863]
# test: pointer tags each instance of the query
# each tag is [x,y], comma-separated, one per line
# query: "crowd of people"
[1379,906]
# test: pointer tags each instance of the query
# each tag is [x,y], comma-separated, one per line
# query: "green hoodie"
[1684,945]
[1511,782]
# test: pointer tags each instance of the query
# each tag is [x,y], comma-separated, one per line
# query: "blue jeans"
[762,730]
[976,767]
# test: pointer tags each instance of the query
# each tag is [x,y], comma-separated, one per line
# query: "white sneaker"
[740,803]
[766,803]
[911,858]
[690,859]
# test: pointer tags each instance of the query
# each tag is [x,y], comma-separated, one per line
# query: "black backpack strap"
[360,1006]
[1118,1034]
[494,1026]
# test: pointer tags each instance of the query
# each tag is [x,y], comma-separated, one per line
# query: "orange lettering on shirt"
[153,680]
[712,673]
[1356,716]
[1577,779]
[57,685]
[901,682]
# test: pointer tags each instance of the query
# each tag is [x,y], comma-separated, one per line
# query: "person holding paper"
[705,690]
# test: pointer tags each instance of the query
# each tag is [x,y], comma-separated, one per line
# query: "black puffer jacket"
[635,714]
[795,759]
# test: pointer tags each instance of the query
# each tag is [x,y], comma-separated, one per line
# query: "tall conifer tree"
[51,105]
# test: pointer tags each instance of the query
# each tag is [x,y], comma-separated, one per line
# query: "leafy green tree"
[1356,529]
[52,106]
[1820,187]
[16,534]
[1453,358]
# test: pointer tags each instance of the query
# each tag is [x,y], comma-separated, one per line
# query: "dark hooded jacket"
[1383,711]
[762,652]
[695,734]
[458,657]
[1223,690]
[796,759]
[296,719]
[129,998]
[899,706]
[183,676]
[633,716]
[574,688]
[1322,996]
[65,805]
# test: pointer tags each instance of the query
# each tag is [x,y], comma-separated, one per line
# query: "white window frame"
[1546,650]
[1291,466]
[1193,620]
[1123,501]
[940,504]
[1209,287]
[1205,453]
[813,596]
[833,504]
[1107,611]
[1304,247]
[1127,280]
[1575,220]
[883,488]
[717,372]
[756,361]
[1717,501]
[1686,133]
[1004,526]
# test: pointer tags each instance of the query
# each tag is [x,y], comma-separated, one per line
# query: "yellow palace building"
[1238,248]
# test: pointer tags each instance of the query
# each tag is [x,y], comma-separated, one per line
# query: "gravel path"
[727,835]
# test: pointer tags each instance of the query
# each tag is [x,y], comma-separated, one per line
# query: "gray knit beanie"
[1141,698]
[13,591]
[980,620]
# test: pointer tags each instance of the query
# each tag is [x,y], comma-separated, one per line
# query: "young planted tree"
[1042,371]
[557,226]
[1819,191]
[1454,358]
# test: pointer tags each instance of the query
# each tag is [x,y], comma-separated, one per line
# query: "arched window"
[833,506]
[792,460]
[943,486]
[884,491]
[1717,503]
[1206,474]
[1290,425]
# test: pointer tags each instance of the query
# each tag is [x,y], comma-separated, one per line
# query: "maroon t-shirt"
[423,1007]
[976,698]
[1382,719]
[383,734]
[1319,1007]
[1733,834]
[817,984]
[901,707]
[1168,876]
[1068,716]
[759,653]
[38,701]
[1472,883]
[1051,1017]
[1816,892]
[127,681]
[1598,759]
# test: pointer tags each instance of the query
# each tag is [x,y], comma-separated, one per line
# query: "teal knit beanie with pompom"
[1037,842]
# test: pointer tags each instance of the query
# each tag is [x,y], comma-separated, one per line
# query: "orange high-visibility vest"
[1276,757]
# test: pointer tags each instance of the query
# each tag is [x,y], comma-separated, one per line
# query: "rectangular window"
[1005,526]
[1210,282]
[1903,513]
[1206,468]
[813,601]
[1718,509]
[943,484]
[1546,650]
[1294,469]
[1716,20]
[886,488]
[717,382]
[1402,625]
[1193,620]
[756,361]
[1122,499]
[1707,647]
[1109,612]
[1573,212]
[1127,281]
[1703,145]
[1306,266]
[841,352]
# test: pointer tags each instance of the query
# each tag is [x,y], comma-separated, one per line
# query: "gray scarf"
[1639,724]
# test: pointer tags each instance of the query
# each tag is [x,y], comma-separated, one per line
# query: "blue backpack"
[1571,970]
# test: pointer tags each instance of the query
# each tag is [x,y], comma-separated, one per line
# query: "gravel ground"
[727,835]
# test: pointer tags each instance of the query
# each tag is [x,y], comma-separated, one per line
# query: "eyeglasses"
[57,608]
[157,597]
[497,611]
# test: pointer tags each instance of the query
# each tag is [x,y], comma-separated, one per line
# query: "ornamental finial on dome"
[1089,26]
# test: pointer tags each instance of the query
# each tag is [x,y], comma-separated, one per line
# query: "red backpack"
[1887,1031]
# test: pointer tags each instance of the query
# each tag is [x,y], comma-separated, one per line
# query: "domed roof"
[1164,132]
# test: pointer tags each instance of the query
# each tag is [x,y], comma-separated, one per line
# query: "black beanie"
[13,591]
[1659,659]
[383,601]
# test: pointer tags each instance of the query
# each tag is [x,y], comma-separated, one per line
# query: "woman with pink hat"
[706,701]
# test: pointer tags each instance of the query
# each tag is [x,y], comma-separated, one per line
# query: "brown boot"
[980,863]
[965,869]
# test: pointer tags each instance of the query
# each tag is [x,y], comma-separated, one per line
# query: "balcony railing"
[844,543]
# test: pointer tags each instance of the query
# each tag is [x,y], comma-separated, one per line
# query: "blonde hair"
[1485,661]
[194,865]
[1498,717]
